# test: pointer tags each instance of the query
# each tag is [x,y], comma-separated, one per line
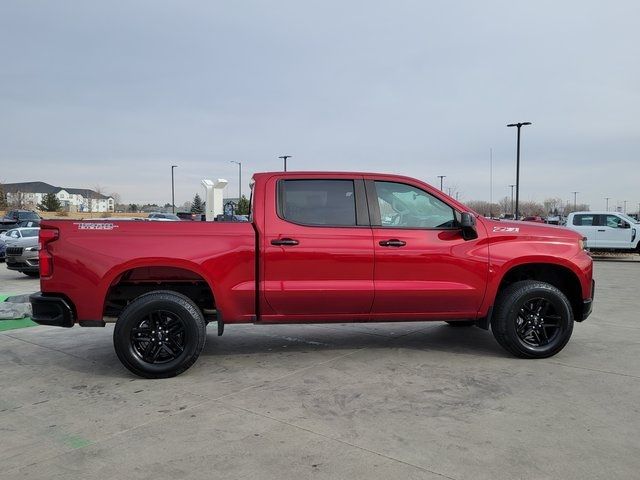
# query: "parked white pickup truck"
[606,230]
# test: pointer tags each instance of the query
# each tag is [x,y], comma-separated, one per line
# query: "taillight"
[47,235]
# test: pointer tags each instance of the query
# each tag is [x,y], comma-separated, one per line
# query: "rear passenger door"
[317,249]
[587,225]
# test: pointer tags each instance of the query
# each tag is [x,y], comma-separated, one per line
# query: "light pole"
[284,159]
[441,177]
[512,200]
[239,179]
[607,199]
[173,191]
[519,125]
[575,203]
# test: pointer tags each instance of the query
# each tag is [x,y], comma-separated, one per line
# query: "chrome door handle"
[284,241]
[394,242]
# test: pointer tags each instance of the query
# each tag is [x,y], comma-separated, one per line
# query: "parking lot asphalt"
[370,401]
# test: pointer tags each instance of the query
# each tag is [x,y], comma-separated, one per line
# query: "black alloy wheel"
[159,337]
[159,334]
[532,319]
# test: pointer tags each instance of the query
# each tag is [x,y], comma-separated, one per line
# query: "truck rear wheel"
[532,319]
[160,334]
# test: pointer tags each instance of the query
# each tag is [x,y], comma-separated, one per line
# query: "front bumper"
[51,310]
[27,262]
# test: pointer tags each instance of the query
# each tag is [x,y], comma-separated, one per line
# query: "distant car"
[607,230]
[189,216]
[164,217]
[534,218]
[21,251]
[15,218]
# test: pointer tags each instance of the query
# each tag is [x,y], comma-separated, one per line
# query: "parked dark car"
[534,218]
[19,218]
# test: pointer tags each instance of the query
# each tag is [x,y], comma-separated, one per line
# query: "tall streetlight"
[441,177]
[173,191]
[513,185]
[519,125]
[284,159]
[575,202]
[607,199]
[239,179]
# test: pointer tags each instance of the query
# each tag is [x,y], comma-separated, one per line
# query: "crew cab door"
[588,225]
[424,268]
[317,249]
[613,232]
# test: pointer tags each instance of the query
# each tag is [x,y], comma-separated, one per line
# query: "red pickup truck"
[319,247]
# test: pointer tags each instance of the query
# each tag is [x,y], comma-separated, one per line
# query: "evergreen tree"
[50,203]
[243,206]
[196,205]
[3,198]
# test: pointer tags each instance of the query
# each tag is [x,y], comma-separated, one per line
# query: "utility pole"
[173,191]
[239,179]
[575,203]
[284,159]
[607,199]
[490,183]
[441,177]
[512,200]
[519,125]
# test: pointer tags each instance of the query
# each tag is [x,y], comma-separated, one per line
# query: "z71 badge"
[96,226]
[506,229]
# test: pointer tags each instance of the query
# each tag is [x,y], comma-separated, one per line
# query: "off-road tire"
[182,310]
[508,317]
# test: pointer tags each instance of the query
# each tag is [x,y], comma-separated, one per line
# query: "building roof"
[41,187]
[29,187]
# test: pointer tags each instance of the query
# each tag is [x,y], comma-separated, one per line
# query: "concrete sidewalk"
[357,401]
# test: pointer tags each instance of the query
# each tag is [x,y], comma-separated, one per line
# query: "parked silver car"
[21,252]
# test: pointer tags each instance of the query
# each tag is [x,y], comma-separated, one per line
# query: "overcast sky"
[113,93]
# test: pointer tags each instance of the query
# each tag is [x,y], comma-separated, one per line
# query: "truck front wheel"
[532,319]
[160,334]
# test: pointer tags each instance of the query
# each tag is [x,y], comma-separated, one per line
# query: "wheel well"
[131,284]
[560,277]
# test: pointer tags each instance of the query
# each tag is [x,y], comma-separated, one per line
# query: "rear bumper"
[51,310]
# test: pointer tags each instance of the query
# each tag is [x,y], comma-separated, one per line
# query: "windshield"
[628,218]
[30,232]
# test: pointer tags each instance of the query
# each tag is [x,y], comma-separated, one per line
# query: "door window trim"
[362,210]
[374,208]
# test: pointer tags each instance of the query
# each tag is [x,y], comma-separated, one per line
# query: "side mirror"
[468,224]
[624,225]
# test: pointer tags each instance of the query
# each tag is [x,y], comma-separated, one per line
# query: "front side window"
[612,221]
[318,202]
[405,206]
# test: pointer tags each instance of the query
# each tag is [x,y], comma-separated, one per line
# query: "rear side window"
[318,202]
[584,220]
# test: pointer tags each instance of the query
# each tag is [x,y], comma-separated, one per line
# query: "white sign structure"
[213,197]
